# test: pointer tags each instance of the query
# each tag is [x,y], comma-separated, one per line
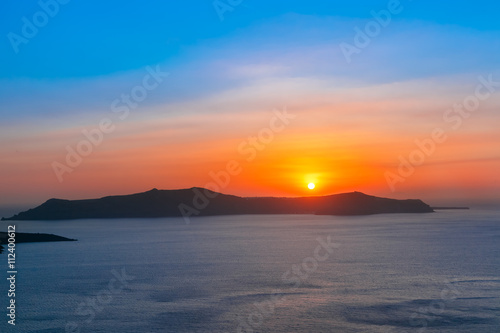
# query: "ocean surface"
[436,272]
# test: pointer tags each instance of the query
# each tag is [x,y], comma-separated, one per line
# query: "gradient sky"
[352,121]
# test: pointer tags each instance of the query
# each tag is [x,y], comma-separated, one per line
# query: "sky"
[253,98]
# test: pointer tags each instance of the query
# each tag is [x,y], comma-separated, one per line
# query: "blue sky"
[91,38]
[112,42]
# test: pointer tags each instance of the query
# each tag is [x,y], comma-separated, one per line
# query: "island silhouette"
[23,237]
[198,201]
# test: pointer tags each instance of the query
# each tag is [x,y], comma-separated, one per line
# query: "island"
[450,208]
[198,201]
[22,237]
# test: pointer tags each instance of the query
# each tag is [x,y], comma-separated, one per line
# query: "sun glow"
[311,186]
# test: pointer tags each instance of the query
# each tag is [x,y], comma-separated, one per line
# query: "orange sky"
[337,143]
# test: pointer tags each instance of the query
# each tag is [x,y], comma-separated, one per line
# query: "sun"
[311,186]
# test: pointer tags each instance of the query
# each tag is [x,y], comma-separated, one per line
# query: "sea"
[434,272]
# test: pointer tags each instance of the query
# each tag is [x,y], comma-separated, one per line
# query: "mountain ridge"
[198,201]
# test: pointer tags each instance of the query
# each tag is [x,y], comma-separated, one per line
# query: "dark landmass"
[441,208]
[32,238]
[22,237]
[203,202]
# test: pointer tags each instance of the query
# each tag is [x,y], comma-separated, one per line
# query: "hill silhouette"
[22,237]
[202,202]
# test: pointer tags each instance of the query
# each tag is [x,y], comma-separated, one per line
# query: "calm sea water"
[387,273]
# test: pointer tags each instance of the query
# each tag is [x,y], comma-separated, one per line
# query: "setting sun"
[311,186]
